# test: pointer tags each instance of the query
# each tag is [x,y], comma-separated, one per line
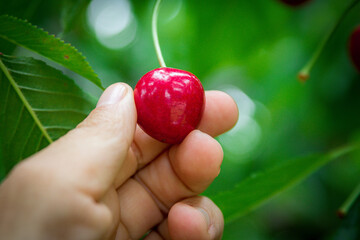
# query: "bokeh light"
[113,22]
[245,136]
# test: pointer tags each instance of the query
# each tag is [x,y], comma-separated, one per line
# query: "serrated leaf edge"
[25,21]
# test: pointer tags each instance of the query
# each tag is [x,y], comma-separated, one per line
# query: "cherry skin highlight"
[354,47]
[169,103]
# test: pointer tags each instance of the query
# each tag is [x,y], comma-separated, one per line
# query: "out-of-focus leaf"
[19,8]
[38,104]
[259,188]
[71,11]
[29,36]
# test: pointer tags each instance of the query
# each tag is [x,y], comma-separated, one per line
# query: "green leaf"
[259,188]
[19,8]
[38,104]
[31,37]
[71,11]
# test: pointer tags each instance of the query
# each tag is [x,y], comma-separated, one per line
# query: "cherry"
[294,3]
[169,103]
[354,47]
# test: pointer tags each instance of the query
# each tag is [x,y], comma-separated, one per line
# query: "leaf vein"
[17,124]
[31,74]
[6,98]
[23,99]
[38,145]
[27,140]
[59,110]
[58,127]
[49,92]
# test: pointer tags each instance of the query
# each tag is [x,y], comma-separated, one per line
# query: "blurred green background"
[253,51]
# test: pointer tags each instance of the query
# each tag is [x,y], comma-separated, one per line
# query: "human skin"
[107,179]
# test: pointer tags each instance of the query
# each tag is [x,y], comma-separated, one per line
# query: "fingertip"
[203,141]
[187,222]
[220,115]
[230,110]
[197,166]
[211,214]
[114,93]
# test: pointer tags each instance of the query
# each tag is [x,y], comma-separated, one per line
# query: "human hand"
[107,179]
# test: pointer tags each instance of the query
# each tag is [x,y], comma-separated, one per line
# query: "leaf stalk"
[345,207]
[304,73]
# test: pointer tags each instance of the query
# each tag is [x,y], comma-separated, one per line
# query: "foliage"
[258,188]
[24,34]
[39,104]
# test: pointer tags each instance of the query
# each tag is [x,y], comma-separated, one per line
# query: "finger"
[183,171]
[154,236]
[91,155]
[160,185]
[142,149]
[194,218]
[138,211]
[111,201]
[163,229]
[220,114]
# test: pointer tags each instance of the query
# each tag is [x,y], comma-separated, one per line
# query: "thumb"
[91,155]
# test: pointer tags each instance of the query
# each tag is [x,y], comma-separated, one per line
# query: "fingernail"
[205,214]
[113,94]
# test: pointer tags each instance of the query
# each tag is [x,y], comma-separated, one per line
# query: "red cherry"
[294,3]
[169,103]
[354,47]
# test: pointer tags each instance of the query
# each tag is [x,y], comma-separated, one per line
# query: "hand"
[107,179]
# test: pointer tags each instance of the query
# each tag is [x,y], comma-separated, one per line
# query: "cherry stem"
[305,71]
[345,207]
[155,34]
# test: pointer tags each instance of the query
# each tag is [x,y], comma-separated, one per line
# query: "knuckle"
[104,220]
